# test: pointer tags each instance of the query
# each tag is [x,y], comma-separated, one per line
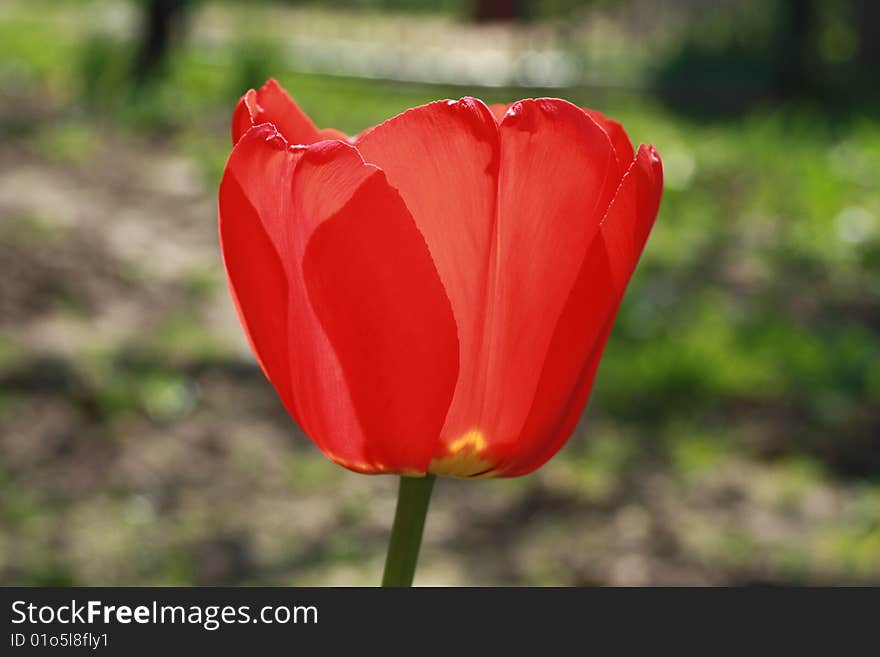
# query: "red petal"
[370,342]
[508,278]
[374,287]
[251,253]
[622,145]
[557,177]
[443,158]
[626,227]
[583,328]
[333,133]
[499,110]
[271,104]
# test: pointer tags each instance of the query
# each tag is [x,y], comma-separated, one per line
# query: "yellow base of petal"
[466,458]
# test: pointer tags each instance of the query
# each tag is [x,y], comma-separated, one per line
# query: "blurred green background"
[733,436]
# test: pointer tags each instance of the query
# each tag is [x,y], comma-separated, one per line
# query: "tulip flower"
[433,296]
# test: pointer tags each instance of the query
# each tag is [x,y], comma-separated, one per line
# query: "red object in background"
[433,295]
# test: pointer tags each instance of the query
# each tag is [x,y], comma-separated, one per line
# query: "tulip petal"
[376,291]
[443,159]
[619,139]
[557,177]
[248,226]
[370,347]
[622,145]
[271,104]
[508,225]
[499,110]
[585,324]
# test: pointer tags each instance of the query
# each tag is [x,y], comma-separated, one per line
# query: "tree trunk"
[161,19]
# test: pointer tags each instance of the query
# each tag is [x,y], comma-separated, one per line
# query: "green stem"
[406,534]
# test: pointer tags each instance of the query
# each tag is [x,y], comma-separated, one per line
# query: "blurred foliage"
[822,51]
[743,367]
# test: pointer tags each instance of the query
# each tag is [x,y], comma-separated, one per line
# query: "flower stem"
[406,534]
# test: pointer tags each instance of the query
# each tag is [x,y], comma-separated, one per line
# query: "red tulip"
[433,295]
